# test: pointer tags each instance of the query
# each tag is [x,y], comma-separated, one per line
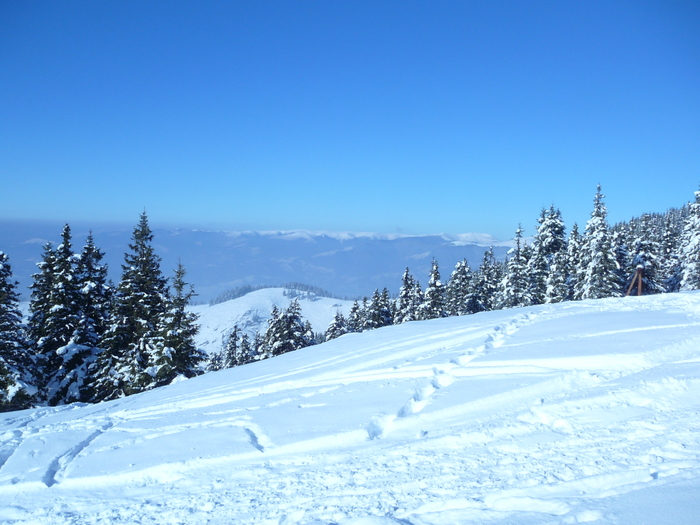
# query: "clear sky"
[386,116]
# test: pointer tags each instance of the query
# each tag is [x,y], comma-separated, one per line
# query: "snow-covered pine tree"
[405,311]
[549,241]
[54,325]
[625,269]
[287,331]
[136,320]
[178,355]
[645,257]
[557,284]
[434,296]
[337,327]
[690,248]
[669,255]
[486,282]
[378,312]
[513,291]
[215,362]
[458,291]
[573,263]
[95,294]
[95,302]
[354,321]
[230,353]
[600,271]
[15,361]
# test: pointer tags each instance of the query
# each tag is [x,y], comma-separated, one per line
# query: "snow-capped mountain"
[252,311]
[346,264]
[579,412]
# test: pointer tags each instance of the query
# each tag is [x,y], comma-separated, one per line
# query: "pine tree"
[549,241]
[434,296]
[690,248]
[600,271]
[354,322]
[337,327]
[378,312]
[669,254]
[231,352]
[287,331]
[458,291]
[513,291]
[557,282]
[95,295]
[54,325]
[136,321]
[645,258]
[573,263]
[179,355]
[486,282]
[15,363]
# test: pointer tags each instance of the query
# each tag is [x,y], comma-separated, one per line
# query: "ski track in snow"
[477,426]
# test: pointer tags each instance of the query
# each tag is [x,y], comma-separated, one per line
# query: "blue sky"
[418,117]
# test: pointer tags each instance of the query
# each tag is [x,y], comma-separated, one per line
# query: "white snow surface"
[582,412]
[251,312]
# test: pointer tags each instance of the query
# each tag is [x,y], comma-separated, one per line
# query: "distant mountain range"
[347,264]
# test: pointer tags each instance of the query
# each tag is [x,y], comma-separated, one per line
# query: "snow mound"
[585,412]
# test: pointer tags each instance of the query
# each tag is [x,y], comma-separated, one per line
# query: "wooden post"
[638,278]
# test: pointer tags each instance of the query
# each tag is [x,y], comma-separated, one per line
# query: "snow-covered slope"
[252,311]
[570,413]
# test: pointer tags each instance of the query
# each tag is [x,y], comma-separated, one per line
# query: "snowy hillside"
[252,311]
[346,264]
[570,413]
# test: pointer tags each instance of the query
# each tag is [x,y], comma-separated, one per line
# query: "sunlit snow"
[582,412]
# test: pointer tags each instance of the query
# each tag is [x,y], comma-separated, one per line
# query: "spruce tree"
[458,291]
[15,362]
[404,303]
[337,327]
[573,263]
[134,335]
[354,322]
[690,248]
[231,352]
[54,324]
[486,282]
[599,276]
[557,283]
[434,296]
[178,355]
[645,258]
[287,331]
[514,287]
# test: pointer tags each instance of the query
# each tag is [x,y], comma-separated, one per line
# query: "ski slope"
[583,412]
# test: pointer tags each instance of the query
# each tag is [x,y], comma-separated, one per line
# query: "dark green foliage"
[178,355]
[135,335]
[15,363]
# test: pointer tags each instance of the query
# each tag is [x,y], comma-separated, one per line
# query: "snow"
[251,312]
[582,412]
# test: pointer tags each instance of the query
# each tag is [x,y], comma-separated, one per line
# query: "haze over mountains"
[346,264]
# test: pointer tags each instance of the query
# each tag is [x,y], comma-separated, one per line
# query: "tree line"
[596,263]
[87,340]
